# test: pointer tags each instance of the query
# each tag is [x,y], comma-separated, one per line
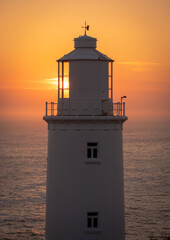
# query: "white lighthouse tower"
[85,199]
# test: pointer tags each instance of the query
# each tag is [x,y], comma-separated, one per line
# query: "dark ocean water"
[23,152]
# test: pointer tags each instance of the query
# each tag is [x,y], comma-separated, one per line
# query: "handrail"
[117,109]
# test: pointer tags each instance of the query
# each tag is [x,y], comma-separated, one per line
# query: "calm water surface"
[23,152]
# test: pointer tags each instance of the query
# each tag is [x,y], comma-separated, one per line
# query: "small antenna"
[86,27]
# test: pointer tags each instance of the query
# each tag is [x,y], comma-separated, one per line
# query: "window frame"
[92,152]
[93,216]
[92,220]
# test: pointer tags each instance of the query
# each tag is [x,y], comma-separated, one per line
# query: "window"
[92,154]
[63,79]
[110,80]
[92,150]
[92,220]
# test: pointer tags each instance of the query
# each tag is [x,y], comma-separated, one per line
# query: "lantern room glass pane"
[110,68]
[63,80]
[66,68]
[66,93]
[60,93]
[110,80]
[110,93]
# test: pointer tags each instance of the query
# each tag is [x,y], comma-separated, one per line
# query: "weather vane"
[86,28]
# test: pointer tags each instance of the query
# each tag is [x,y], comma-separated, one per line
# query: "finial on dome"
[86,27]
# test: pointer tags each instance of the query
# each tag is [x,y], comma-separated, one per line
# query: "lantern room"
[85,69]
[85,77]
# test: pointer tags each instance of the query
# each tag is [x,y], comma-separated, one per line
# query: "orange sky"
[135,33]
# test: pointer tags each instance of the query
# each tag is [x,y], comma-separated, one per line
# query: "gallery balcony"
[66,108]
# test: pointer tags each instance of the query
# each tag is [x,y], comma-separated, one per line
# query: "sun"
[54,82]
[66,83]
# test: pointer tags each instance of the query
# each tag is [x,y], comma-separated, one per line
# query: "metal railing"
[52,109]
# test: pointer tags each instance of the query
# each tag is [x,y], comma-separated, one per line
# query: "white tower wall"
[76,186]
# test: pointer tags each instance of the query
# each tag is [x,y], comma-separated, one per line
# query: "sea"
[23,165]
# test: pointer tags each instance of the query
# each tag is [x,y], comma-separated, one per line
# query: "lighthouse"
[85,193]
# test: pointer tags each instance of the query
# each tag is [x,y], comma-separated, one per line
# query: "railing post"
[46,110]
[119,109]
[123,108]
[52,108]
[55,111]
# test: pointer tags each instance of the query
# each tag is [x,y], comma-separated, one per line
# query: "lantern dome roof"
[85,49]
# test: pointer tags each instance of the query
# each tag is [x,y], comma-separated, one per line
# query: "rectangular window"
[63,79]
[92,220]
[92,150]
[110,80]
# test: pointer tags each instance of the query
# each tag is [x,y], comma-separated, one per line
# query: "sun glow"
[54,82]
[66,83]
